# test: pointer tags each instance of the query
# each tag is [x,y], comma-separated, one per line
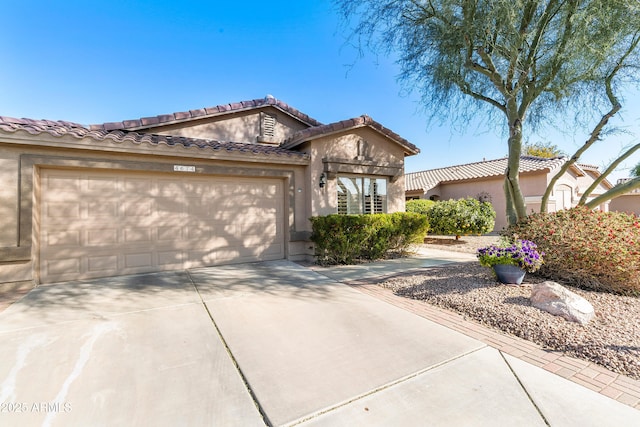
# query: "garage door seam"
[256,402]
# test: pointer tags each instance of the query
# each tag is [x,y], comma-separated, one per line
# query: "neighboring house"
[629,202]
[227,184]
[485,181]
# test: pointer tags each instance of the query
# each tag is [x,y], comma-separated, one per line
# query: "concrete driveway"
[267,343]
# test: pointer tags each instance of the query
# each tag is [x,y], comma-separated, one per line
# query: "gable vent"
[267,128]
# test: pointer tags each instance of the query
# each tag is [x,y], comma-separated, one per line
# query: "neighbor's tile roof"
[357,122]
[63,128]
[622,181]
[428,179]
[203,113]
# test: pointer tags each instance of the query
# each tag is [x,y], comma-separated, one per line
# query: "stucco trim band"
[332,167]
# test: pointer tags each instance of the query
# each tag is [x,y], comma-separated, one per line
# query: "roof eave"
[111,143]
[409,150]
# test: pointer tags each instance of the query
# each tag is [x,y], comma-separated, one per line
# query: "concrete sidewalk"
[269,343]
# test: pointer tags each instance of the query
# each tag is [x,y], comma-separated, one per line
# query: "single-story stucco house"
[485,181]
[628,202]
[227,184]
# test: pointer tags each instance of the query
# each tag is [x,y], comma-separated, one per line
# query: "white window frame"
[361,194]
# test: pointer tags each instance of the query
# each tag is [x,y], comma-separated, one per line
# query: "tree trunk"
[512,218]
[516,207]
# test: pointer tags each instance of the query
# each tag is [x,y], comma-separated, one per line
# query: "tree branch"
[492,73]
[610,169]
[556,61]
[527,16]
[616,191]
[595,134]
[467,91]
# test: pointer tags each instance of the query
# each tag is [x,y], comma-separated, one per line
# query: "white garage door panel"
[97,224]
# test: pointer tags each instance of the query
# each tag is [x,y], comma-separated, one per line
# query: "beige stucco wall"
[626,203]
[243,126]
[374,158]
[461,190]
[9,197]
[575,182]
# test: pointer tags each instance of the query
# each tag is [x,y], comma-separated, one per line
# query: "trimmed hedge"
[461,217]
[347,239]
[586,248]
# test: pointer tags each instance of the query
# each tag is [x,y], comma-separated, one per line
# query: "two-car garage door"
[98,224]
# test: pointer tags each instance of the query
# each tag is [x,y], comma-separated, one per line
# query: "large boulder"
[559,301]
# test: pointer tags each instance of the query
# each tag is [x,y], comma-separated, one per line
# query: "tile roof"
[63,128]
[428,179]
[203,113]
[357,122]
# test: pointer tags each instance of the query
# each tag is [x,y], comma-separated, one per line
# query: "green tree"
[520,62]
[636,170]
[543,149]
[420,206]
[461,217]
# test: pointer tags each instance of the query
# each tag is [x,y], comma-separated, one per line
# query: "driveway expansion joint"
[254,398]
[383,387]
[515,375]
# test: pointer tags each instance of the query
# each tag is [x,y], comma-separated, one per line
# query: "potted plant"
[511,261]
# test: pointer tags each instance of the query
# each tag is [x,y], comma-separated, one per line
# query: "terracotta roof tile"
[146,121]
[208,111]
[199,112]
[132,123]
[182,115]
[113,126]
[428,179]
[164,118]
[362,121]
[61,129]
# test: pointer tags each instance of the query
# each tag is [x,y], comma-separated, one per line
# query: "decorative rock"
[559,301]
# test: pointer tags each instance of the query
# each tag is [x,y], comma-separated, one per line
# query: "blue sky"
[94,62]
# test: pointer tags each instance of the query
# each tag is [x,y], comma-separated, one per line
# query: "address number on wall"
[182,168]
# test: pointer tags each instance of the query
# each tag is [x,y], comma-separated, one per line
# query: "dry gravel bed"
[611,339]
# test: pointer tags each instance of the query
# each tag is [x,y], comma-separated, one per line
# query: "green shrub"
[585,248]
[461,217]
[407,229]
[346,239]
[420,206]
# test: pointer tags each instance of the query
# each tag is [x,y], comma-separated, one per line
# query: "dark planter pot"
[509,274]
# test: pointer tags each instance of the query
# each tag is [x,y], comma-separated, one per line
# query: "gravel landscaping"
[611,339]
